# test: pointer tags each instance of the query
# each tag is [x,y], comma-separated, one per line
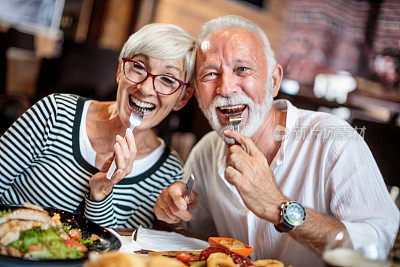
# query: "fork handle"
[111,170]
[113,166]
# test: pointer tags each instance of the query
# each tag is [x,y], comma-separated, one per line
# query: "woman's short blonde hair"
[163,41]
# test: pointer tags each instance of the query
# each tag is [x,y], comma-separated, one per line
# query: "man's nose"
[227,86]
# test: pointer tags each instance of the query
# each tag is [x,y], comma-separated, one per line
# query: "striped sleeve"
[101,212]
[25,140]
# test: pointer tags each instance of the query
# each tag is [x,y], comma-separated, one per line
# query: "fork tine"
[235,120]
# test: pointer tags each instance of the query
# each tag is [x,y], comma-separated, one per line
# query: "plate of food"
[32,235]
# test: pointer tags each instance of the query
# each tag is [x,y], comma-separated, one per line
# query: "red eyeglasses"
[162,84]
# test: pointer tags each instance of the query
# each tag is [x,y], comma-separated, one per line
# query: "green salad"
[62,242]
[47,244]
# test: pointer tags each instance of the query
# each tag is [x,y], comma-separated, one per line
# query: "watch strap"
[283,227]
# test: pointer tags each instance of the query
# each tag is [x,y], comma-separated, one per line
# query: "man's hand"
[125,152]
[248,170]
[172,207]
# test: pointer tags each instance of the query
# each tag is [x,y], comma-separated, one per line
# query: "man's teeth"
[232,109]
[142,105]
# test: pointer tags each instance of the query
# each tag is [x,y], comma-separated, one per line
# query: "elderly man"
[283,195]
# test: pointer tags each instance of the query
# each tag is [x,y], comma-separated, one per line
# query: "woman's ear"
[277,74]
[183,99]
[119,73]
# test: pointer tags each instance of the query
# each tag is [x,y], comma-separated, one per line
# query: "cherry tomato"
[72,243]
[75,234]
[183,256]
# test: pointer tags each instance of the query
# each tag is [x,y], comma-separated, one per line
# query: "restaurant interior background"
[338,56]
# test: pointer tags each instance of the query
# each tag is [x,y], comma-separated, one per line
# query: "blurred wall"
[191,14]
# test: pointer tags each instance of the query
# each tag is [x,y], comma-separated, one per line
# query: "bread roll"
[115,259]
[269,263]
[220,260]
[119,259]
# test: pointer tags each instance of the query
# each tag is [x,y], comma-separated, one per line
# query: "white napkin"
[128,245]
[156,240]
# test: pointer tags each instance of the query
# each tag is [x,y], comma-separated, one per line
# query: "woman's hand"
[124,152]
[172,206]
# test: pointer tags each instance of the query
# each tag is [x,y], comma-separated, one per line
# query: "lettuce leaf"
[4,212]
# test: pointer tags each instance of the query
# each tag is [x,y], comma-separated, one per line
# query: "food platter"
[108,241]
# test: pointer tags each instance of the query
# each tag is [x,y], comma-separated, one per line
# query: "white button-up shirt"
[323,164]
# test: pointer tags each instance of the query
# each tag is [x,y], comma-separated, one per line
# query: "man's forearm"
[317,230]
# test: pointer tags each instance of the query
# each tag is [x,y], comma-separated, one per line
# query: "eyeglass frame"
[154,76]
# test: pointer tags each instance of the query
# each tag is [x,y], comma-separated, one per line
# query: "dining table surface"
[394,254]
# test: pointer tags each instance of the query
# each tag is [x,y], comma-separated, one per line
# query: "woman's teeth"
[146,107]
[232,110]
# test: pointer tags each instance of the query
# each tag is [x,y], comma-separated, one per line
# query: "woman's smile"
[146,107]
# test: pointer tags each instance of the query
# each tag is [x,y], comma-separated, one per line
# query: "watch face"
[294,214]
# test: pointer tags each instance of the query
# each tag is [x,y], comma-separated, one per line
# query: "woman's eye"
[168,80]
[137,66]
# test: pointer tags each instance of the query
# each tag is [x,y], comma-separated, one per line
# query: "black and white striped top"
[41,163]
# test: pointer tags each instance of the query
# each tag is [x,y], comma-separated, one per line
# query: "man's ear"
[119,73]
[277,74]
[183,99]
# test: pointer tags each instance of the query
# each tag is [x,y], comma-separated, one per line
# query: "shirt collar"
[291,117]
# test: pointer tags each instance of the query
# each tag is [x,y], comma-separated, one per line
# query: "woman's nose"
[227,86]
[147,86]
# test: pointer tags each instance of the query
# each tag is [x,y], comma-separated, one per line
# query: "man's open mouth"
[144,106]
[232,110]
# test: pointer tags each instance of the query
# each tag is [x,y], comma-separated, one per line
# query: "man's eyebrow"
[208,66]
[240,60]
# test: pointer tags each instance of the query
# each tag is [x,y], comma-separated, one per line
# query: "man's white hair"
[163,41]
[233,21]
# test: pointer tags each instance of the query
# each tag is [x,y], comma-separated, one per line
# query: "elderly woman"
[57,154]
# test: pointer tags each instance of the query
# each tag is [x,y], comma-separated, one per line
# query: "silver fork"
[189,186]
[235,120]
[134,120]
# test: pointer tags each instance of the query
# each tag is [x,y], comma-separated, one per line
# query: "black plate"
[108,240]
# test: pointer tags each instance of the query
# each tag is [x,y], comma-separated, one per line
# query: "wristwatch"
[292,214]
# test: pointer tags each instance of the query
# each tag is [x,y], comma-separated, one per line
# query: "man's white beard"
[257,113]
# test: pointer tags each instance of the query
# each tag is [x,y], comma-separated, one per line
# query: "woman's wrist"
[99,196]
